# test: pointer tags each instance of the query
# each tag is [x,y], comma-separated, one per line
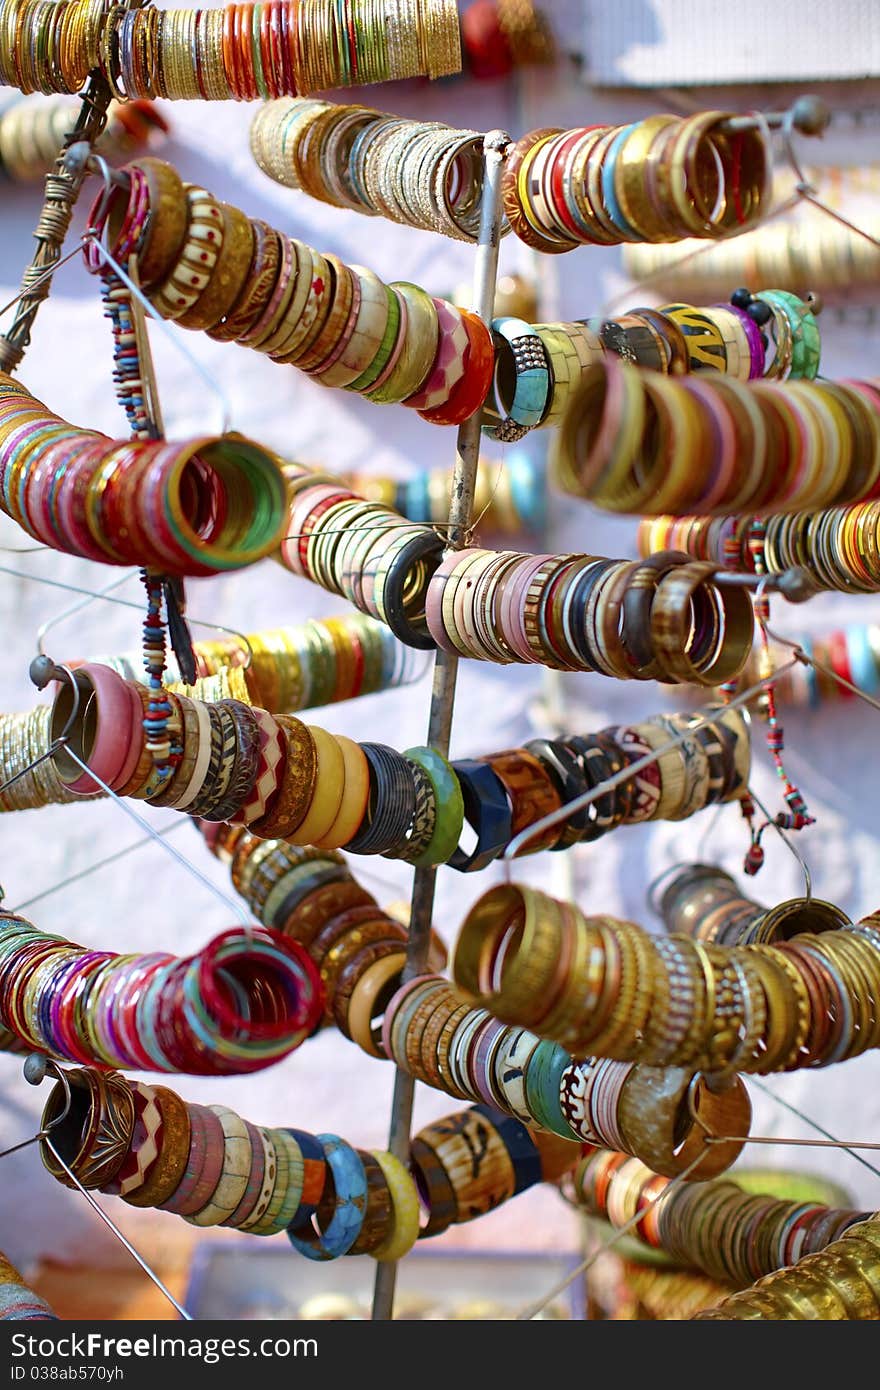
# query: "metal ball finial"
[43,671]
[36,1069]
[796,585]
[811,115]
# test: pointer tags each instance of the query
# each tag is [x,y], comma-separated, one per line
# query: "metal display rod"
[495,147]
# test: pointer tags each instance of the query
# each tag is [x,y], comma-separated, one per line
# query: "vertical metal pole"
[446,665]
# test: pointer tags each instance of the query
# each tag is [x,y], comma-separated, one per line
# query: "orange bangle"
[472,390]
[355,795]
[328,790]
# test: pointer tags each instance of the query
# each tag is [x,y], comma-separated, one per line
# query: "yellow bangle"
[355,794]
[405,1208]
[362,1003]
[328,790]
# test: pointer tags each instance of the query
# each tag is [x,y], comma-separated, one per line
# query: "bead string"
[797,817]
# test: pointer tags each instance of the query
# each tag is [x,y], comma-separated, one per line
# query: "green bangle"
[386,347]
[288,1186]
[450,807]
[543,1077]
[806,339]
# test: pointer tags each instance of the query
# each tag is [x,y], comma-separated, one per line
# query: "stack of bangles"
[732,1235]
[309,897]
[32,777]
[32,133]
[396,343]
[510,498]
[205,1163]
[206,265]
[233,53]
[658,179]
[840,546]
[243,1002]
[322,661]
[852,652]
[287,780]
[840,1283]
[419,173]
[662,1117]
[661,619]
[607,988]
[187,509]
[425,1028]
[705,903]
[18,1303]
[636,441]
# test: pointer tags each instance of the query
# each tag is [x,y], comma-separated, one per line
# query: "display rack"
[62,190]
[495,147]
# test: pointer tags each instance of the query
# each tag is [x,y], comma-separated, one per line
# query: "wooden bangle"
[369,995]
[327,792]
[355,795]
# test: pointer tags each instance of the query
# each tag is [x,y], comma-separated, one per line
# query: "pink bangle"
[113,727]
[393,1009]
[449,365]
[512,606]
[434,599]
[136,741]
[204,1166]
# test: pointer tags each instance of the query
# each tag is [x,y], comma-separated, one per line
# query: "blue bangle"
[344,1227]
[312,1153]
[543,1078]
[520,1146]
[521,355]
[862,663]
[417,504]
[528,490]
[609,192]
[487,811]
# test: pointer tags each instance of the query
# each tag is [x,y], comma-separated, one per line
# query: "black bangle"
[391,805]
[584,586]
[333,873]
[568,777]
[596,768]
[487,811]
[424,818]
[406,586]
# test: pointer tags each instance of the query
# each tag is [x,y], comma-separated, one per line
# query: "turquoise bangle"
[528,491]
[533,380]
[806,339]
[861,660]
[344,1227]
[609,192]
[543,1078]
[450,806]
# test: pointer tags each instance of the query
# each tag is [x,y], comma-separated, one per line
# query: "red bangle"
[470,393]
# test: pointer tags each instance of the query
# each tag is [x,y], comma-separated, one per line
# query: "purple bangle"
[753,333]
